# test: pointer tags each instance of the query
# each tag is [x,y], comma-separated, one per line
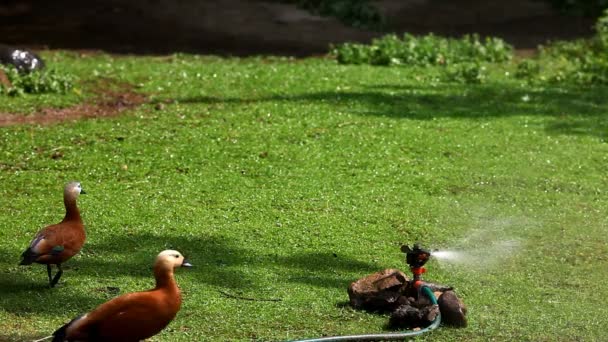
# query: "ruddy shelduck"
[133,316]
[57,243]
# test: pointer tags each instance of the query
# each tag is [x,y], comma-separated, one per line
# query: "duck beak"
[186,263]
[82,192]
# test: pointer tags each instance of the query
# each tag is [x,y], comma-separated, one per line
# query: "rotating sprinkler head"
[416,257]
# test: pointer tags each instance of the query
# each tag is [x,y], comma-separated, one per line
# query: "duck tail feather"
[60,334]
[29,256]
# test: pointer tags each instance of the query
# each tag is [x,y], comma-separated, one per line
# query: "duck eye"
[176,256]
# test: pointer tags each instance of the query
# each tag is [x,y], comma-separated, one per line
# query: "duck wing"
[42,244]
[54,244]
[94,325]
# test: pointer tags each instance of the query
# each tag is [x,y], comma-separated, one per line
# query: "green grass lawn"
[289,179]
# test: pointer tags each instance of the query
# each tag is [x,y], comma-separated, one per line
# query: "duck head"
[173,258]
[73,189]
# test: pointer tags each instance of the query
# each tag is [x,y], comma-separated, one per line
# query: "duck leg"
[57,276]
[48,271]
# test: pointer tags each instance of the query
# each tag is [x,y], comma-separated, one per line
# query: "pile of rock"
[392,291]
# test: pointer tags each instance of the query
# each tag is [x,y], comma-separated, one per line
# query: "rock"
[453,310]
[380,291]
[410,317]
[23,60]
[390,291]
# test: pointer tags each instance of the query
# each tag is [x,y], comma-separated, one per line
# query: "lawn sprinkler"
[416,257]
[412,302]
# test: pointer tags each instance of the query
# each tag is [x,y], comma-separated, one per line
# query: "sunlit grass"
[289,179]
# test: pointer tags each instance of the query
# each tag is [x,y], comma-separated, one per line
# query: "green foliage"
[356,13]
[580,7]
[471,73]
[527,69]
[573,50]
[593,70]
[37,82]
[601,30]
[582,49]
[583,61]
[425,50]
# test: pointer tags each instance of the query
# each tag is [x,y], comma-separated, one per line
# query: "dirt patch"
[110,99]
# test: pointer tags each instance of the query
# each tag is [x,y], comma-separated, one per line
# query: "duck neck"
[71,210]
[164,277]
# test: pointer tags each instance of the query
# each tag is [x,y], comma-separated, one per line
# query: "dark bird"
[57,243]
[133,316]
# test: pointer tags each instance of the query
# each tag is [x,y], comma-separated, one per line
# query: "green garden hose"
[388,336]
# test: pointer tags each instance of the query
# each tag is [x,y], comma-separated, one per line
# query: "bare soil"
[110,99]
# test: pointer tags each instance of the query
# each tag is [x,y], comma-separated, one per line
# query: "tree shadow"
[22,296]
[217,262]
[16,283]
[573,110]
[324,269]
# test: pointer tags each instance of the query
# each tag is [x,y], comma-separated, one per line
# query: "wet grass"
[289,179]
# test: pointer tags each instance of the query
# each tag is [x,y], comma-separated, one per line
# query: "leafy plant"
[592,71]
[573,50]
[580,7]
[356,13]
[583,61]
[601,30]
[470,73]
[424,50]
[46,81]
[527,69]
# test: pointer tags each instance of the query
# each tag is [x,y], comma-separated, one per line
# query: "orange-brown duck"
[57,243]
[132,316]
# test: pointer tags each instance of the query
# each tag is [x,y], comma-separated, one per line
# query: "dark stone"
[380,291]
[390,290]
[23,60]
[410,316]
[453,310]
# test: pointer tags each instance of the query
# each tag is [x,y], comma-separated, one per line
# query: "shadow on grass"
[575,110]
[324,269]
[16,283]
[217,262]
[23,296]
